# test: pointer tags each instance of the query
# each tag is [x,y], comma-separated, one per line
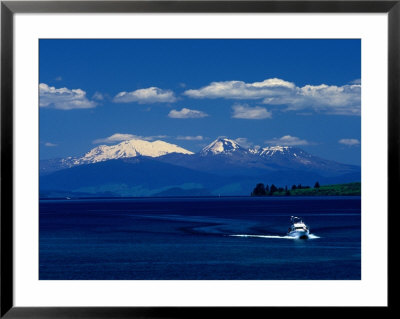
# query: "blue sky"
[303,93]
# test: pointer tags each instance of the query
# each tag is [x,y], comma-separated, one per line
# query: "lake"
[238,238]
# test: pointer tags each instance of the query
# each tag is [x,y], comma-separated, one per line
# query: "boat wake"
[311,236]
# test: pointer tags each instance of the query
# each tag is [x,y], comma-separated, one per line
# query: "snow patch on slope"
[271,150]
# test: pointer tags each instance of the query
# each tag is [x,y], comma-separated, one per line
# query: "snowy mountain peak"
[130,148]
[290,153]
[222,145]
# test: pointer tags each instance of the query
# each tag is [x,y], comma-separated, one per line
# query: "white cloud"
[340,100]
[250,113]
[48,144]
[349,141]
[331,99]
[356,81]
[190,138]
[146,96]
[98,96]
[241,90]
[58,78]
[243,141]
[63,98]
[119,137]
[186,114]
[287,140]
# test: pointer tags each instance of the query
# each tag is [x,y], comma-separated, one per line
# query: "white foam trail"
[311,236]
[264,236]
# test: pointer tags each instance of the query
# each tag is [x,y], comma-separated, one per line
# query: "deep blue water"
[196,239]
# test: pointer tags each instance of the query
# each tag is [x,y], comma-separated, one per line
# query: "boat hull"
[299,234]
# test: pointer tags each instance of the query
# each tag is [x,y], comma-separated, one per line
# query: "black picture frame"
[9,8]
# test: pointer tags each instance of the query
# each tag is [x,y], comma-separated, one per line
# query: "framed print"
[189,158]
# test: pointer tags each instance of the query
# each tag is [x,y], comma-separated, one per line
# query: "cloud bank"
[48,144]
[146,96]
[98,96]
[186,114]
[241,90]
[120,137]
[190,138]
[63,98]
[349,141]
[244,141]
[287,140]
[250,113]
[331,99]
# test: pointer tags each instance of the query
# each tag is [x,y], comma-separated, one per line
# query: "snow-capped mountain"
[226,146]
[272,154]
[295,158]
[225,156]
[125,149]
[131,148]
[142,168]
[287,153]
[222,145]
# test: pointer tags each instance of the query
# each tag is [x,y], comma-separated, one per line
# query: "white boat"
[298,229]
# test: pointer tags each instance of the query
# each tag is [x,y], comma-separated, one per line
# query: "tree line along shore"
[349,189]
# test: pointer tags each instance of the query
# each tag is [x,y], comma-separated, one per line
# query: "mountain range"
[224,167]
